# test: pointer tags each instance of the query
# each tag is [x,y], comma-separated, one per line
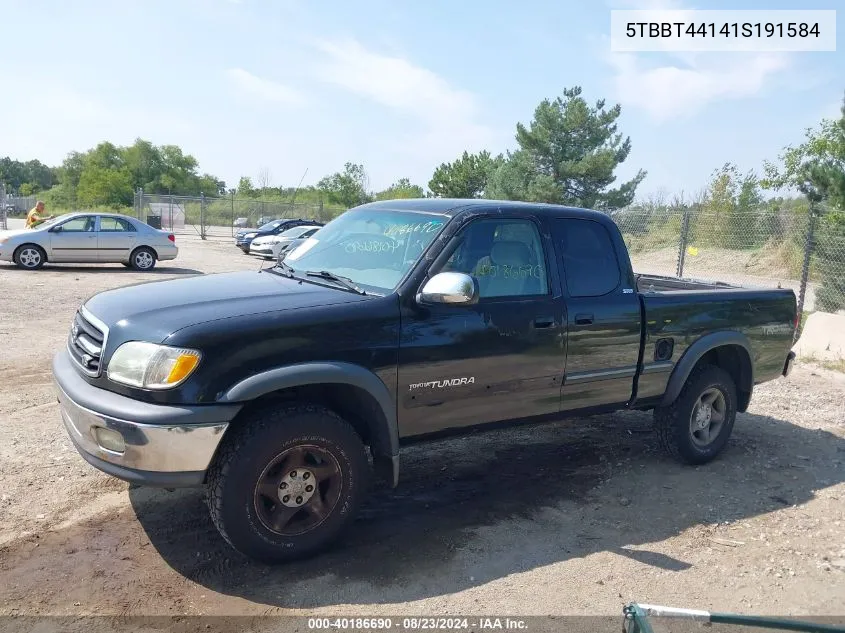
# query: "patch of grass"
[835,365]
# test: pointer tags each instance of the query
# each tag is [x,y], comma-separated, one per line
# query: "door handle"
[543,322]
[583,319]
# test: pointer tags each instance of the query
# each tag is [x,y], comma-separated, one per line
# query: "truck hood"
[154,310]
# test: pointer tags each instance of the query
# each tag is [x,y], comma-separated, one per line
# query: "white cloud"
[265,89]
[680,90]
[442,120]
[682,84]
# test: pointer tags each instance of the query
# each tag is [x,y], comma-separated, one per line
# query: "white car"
[88,238]
[272,246]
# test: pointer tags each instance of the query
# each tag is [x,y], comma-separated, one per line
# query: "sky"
[290,88]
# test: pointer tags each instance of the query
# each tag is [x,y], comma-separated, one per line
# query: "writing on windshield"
[418,227]
[374,248]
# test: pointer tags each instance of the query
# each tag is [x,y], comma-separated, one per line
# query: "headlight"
[250,234]
[151,366]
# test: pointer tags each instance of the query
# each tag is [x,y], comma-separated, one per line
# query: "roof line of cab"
[454,206]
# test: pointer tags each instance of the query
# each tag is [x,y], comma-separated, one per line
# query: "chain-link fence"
[788,247]
[3,208]
[221,217]
[799,249]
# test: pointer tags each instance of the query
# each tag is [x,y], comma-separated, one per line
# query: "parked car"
[240,222]
[291,247]
[89,238]
[270,246]
[244,237]
[265,219]
[398,320]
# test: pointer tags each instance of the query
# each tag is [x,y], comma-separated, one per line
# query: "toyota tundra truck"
[284,391]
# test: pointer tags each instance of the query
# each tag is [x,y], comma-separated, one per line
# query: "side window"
[505,256]
[79,225]
[115,224]
[590,266]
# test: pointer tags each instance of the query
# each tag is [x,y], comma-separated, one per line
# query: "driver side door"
[500,359]
[74,240]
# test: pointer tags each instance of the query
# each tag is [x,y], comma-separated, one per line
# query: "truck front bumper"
[169,446]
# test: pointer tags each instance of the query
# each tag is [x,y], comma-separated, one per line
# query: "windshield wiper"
[346,282]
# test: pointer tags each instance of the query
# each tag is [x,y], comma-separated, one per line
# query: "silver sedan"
[88,238]
[271,246]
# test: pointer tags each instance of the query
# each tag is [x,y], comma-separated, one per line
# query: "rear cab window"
[586,256]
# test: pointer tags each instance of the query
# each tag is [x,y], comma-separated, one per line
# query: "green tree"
[32,175]
[101,186]
[347,188]
[816,168]
[245,188]
[467,177]
[568,155]
[401,189]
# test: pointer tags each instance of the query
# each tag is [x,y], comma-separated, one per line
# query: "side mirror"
[450,289]
[56,229]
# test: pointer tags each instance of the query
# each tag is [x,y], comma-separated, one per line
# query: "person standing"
[34,217]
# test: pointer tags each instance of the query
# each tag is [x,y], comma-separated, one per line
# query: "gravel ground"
[577,517]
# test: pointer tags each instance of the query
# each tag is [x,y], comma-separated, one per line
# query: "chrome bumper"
[169,455]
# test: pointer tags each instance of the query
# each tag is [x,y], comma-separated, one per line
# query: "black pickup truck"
[399,320]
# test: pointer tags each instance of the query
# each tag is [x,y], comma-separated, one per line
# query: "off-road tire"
[673,422]
[253,444]
[23,249]
[138,254]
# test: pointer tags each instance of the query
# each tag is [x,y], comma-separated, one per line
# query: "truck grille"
[85,343]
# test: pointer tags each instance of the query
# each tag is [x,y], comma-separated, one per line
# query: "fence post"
[202,215]
[141,215]
[682,243]
[805,266]
[232,222]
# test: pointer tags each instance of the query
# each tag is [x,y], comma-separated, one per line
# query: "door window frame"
[559,254]
[100,219]
[456,239]
[96,228]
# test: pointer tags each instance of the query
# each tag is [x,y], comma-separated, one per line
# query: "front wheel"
[696,427]
[286,482]
[30,256]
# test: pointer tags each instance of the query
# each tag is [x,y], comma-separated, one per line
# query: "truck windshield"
[373,248]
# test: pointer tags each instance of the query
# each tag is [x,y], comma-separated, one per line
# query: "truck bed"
[647,284]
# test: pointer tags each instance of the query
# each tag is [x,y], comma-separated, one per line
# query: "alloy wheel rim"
[298,490]
[143,260]
[708,417]
[30,257]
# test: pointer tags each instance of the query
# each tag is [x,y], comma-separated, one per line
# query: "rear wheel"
[142,258]
[286,482]
[30,256]
[696,427]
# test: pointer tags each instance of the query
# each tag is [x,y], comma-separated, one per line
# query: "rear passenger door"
[603,316]
[115,239]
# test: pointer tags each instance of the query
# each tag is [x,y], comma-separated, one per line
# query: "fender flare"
[384,440]
[695,352]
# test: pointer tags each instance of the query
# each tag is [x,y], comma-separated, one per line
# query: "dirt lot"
[573,518]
